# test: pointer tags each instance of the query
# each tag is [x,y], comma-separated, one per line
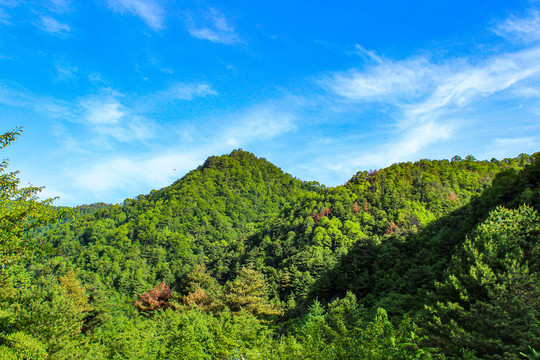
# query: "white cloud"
[16,96]
[140,174]
[258,124]
[53,26]
[213,26]
[4,16]
[463,85]
[108,118]
[49,192]
[417,138]
[135,129]
[424,88]
[512,142]
[523,29]
[103,112]
[404,146]
[123,173]
[155,60]
[432,101]
[151,12]
[424,91]
[369,54]
[183,91]
[385,81]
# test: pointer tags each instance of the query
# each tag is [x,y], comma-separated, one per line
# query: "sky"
[119,97]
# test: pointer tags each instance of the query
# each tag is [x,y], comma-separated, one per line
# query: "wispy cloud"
[523,29]
[108,118]
[137,128]
[177,92]
[148,10]
[128,173]
[103,112]
[183,91]
[53,26]
[259,123]
[4,17]
[511,142]
[57,6]
[386,81]
[212,25]
[463,85]
[65,71]
[369,54]
[106,114]
[405,145]
[501,147]
[431,100]
[104,178]
[19,97]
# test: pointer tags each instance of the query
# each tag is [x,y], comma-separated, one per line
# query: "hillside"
[199,218]
[292,269]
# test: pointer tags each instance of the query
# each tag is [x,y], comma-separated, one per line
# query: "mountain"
[240,252]
[386,235]
[199,218]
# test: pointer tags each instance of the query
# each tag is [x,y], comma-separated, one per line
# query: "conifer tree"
[249,292]
[489,300]
[202,290]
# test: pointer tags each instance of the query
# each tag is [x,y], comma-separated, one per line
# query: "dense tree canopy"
[238,260]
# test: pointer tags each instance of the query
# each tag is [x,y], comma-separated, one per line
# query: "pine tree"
[489,301]
[249,292]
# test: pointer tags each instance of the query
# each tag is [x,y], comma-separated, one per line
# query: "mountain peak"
[244,157]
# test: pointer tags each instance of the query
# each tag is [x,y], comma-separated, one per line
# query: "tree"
[249,292]
[154,299]
[21,212]
[489,300]
[202,290]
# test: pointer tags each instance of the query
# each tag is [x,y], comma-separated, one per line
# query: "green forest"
[436,259]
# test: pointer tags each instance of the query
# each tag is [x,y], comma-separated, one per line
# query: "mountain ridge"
[238,233]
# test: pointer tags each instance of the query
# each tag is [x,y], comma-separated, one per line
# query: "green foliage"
[202,291]
[249,292]
[22,346]
[21,212]
[254,264]
[489,300]
[51,313]
[342,333]
[203,218]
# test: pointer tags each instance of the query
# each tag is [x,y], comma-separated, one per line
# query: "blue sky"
[119,97]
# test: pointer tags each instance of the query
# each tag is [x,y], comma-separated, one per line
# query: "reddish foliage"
[356,208]
[391,228]
[199,299]
[155,299]
[366,207]
[318,217]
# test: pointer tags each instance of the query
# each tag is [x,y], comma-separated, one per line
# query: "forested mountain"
[238,260]
[200,219]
